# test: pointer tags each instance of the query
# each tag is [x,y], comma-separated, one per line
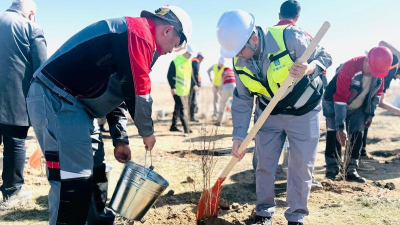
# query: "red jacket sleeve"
[140,54]
[343,83]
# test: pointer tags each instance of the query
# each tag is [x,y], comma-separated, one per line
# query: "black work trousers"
[181,103]
[13,139]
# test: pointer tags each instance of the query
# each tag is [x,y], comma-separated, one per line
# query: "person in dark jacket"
[90,75]
[349,105]
[23,50]
[394,73]
[196,81]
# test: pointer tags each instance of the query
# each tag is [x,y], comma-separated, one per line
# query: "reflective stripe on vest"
[217,75]
[183,67]
[278,70]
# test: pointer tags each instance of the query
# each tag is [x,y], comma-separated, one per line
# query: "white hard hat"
[200,54]
[178,18]
[221,60]
[234,29]
[190,49]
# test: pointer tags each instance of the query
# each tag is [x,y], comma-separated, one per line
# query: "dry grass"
[175,158]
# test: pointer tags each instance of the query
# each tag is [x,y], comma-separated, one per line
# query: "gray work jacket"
[23,50]
[296,43]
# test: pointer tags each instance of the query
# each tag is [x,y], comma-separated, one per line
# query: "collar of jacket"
[286,22]
[16,11]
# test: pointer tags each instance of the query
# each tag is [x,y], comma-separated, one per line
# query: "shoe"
[315,184]
[260,220]
[13,200]
[355,178]
[218,124]
[188,131]
[103,129]
[368,158]
[193,119]
[174,129]
[295,223]
[330,175]
[364,166]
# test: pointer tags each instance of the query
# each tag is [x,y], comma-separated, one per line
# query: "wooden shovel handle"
[277,97]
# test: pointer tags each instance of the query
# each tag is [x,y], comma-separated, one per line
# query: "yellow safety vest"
[277,71]
[218,75]
[183,68]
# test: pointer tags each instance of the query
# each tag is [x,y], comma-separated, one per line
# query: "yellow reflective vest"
[217,75]
[183,68]
[278,70]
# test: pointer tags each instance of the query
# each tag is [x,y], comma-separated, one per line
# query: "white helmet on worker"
[178,18]
[234,29]
[190,49]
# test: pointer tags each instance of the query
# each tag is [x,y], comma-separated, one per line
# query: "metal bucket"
[137,190]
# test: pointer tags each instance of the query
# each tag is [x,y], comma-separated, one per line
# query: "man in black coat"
[23,50]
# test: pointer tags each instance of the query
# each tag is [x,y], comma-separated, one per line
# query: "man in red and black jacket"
[90,75]
[349,104]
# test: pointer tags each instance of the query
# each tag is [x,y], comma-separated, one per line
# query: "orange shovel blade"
[36,158]
[208,203]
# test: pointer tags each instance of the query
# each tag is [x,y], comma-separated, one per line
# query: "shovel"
[208,203]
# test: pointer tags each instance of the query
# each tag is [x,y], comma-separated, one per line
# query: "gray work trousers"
[303,135]
[67,137]
[217,96]
[226,93]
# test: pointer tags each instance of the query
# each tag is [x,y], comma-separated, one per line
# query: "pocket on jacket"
[37,111]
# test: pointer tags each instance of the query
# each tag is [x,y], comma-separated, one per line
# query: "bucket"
[137,190]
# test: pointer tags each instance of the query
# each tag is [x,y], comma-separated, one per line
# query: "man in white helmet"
[217,70]
[180,79]
[263,58]
[97,69]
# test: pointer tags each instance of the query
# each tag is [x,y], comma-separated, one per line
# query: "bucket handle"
[151,167]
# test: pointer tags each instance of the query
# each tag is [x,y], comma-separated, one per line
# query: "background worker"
[196,81]
[289,14]
[258,59]
[90,75]
[180,78]
[217,70]
[23,50]
[349,106]
[228,86]
[392,75]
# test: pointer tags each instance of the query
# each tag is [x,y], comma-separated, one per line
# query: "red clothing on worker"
[286,22]
[344,80]
[228,76]
[141,45]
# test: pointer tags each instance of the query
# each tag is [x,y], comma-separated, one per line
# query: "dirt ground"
[177,156]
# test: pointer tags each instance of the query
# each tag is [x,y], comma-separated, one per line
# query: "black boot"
[260,220]
[174,129]
[295,223]
[355,178]
[103,129]
[330,175]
